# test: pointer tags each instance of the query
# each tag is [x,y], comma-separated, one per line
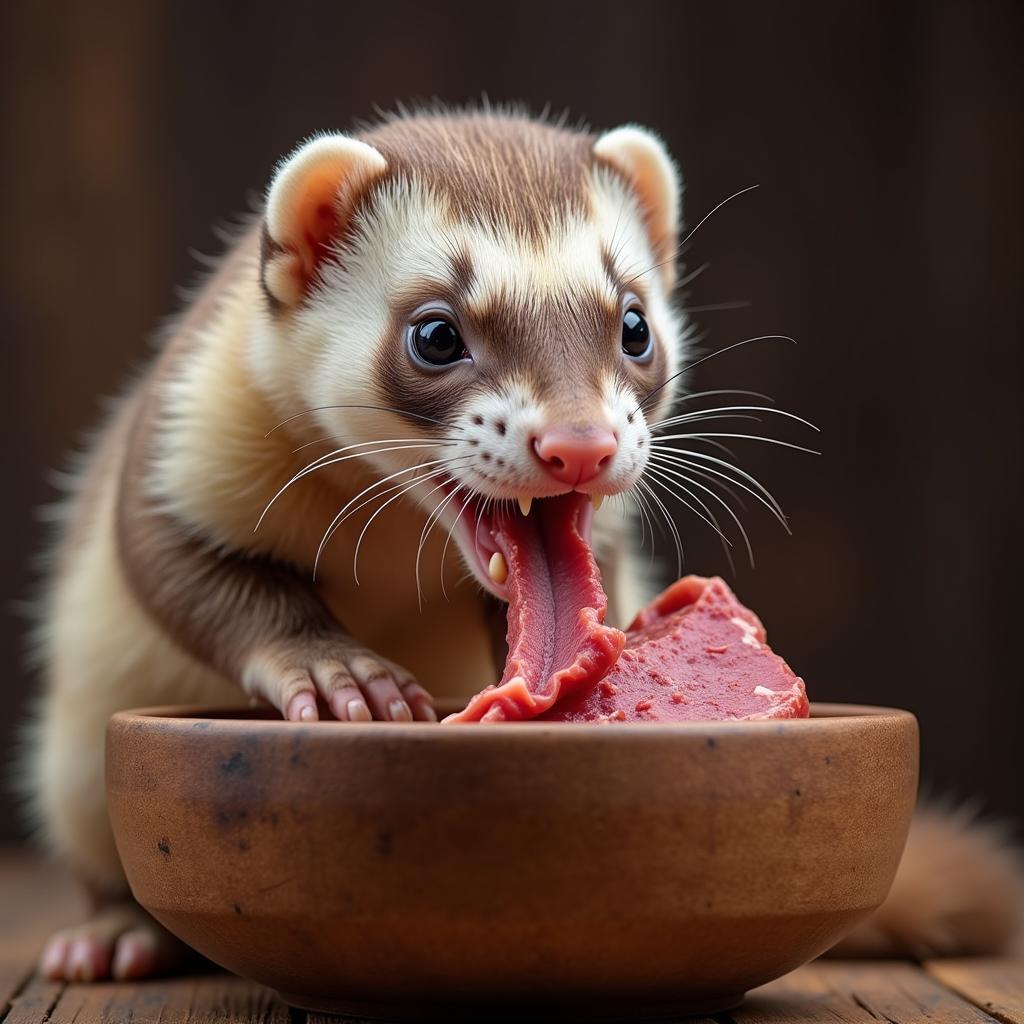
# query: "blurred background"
[885,237]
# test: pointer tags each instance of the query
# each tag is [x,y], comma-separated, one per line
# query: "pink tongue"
[557,641]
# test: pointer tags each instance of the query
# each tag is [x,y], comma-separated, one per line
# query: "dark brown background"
[886,138]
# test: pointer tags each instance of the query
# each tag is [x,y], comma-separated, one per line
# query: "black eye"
[437,343]
[636,335]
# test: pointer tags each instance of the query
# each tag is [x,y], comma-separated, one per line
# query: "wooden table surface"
[36,897]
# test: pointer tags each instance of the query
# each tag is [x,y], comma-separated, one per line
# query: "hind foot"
[121,941]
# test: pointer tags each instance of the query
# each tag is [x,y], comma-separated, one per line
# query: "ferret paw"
[122,941]
[352,683]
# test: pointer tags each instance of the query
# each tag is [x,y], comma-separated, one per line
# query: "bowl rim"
[825,717]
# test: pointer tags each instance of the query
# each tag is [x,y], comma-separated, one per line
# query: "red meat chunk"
[694,654]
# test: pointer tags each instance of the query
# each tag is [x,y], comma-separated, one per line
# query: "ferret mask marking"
[536,238]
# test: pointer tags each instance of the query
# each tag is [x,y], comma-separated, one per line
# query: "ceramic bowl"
[419,871]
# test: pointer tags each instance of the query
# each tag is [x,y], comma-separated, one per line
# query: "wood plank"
[330,1018]
[857,992]
[501,1014]
[36,898]
[33,1004]
[13,975]
[994,984]
[205,999]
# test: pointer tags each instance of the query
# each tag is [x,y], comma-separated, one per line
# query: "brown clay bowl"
[422,871]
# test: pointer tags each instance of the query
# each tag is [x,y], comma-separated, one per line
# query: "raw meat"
[694,654]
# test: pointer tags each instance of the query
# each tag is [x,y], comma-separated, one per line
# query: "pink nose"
[574,456]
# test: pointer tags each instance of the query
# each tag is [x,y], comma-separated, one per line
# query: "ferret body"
[521,234]
[434,316]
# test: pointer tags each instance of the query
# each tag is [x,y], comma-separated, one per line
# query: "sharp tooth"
[496,568]
[597,500]
[525,504]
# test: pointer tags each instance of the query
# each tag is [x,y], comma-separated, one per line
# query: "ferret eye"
[636,335]
[436,342]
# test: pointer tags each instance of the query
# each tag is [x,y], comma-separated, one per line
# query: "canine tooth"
[496,568]
[597,500]
[525,504]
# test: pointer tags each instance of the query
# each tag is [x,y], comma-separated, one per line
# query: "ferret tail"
[959,891]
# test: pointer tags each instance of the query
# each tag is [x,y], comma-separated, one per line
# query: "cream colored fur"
[324,174]
[646,163]
[104,655]
[959,891]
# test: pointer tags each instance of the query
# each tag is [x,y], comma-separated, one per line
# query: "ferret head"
[481,301]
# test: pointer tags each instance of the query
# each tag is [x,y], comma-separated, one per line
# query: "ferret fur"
[536,231]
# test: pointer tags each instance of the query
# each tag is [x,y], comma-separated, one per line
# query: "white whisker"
[743,437]
[359,542]
[681,480]
[374,408]
[692,232]
[328,458]
[718,481]
[703,359]
[319,463]
[721,447]
[707,216]
[692,275]
[675,531]
[390,440]
[728,508]
[431,521]
[694,395]
[643,492]
[711,522]
[679,456]
[643,518]
[448,539]
[726,547]
[341,514]
[706,415]
[698,414]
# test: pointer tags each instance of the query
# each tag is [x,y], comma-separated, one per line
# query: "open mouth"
[543,566]
[494,537]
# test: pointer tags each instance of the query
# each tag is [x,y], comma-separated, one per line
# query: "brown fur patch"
[461,268]
[555,343]
[565,347]
[426,400]
[217,605]
[608,262]
[490,167]
[559,344]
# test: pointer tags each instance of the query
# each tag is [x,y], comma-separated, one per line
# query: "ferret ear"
[309,203]
[641,157]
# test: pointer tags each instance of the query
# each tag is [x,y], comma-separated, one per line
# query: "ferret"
[439,314]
